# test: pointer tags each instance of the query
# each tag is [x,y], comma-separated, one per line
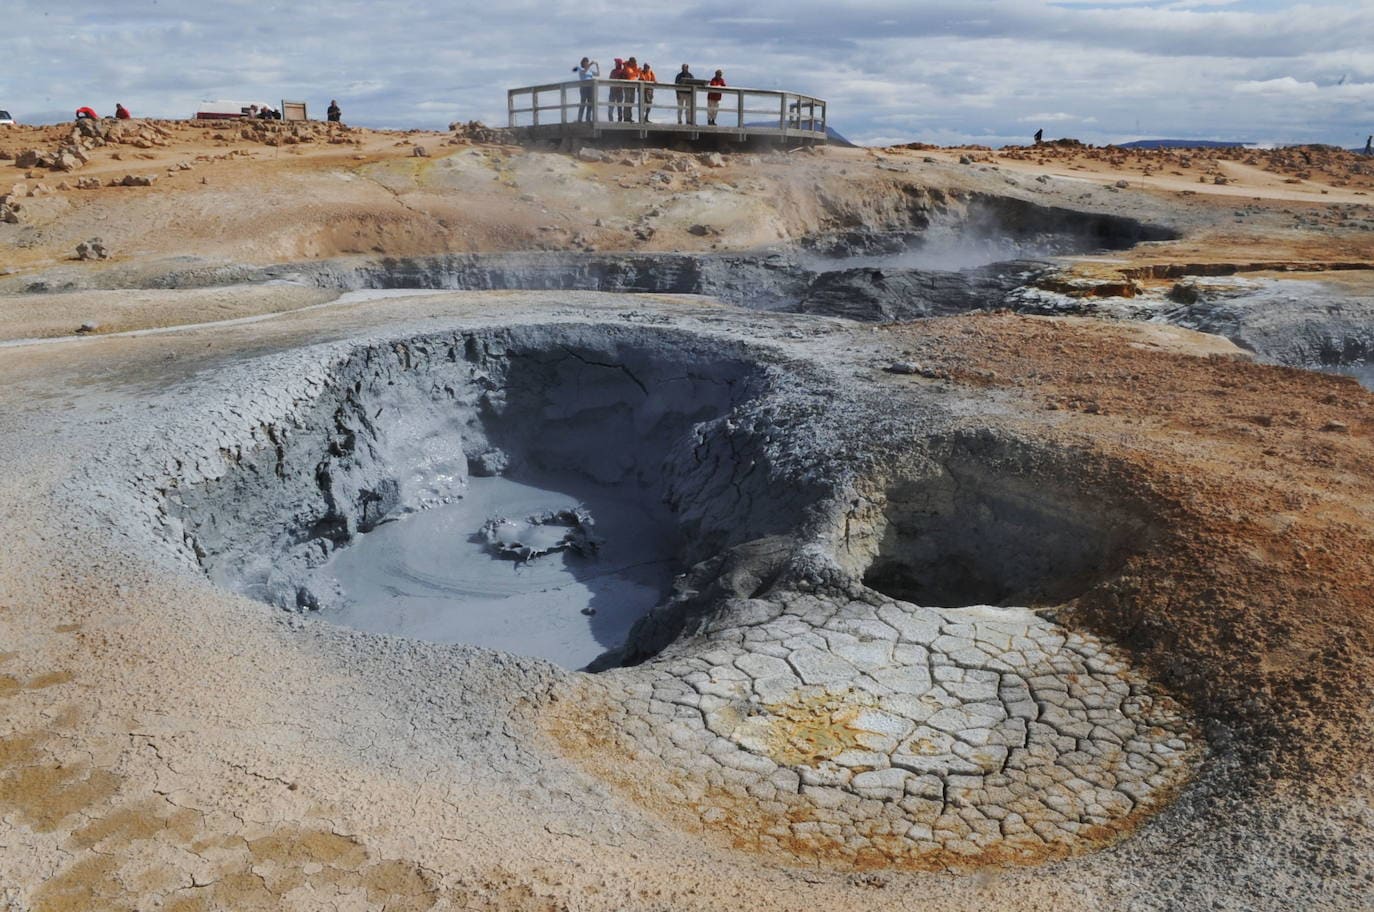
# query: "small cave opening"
[527,489]
[983,528]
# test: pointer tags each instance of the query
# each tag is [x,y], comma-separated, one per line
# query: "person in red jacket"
[713,98]
[86,114]
[122,112]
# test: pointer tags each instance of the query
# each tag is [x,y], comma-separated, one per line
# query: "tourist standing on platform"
[615,111]
[647,74]
[684,98]
[713,98]
[587,71]
[631,92]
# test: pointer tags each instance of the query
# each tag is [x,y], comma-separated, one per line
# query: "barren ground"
[168,744]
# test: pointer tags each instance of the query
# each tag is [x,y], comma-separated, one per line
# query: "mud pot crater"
[433,487]
[846,647]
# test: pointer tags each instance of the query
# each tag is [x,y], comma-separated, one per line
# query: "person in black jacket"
[684,98]
[334,113]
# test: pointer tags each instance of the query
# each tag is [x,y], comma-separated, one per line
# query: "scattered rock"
[903,367]
[543,533]
[66,160]
[478,132]
[94,249]
[492,462]
[88,327]
[699,230]
[419,152]
[712,160]
[588,154]
[134,180]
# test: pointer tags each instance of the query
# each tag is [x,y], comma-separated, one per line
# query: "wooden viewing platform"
[555,111]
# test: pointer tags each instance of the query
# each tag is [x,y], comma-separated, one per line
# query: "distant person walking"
[86,114]
[615,111]
[684,98]
[586,71]
[122,112]
[334,113]
[1369,145]
[647,74]
[631,96]
[713,98]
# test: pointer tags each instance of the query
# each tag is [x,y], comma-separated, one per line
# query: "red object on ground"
[87,112]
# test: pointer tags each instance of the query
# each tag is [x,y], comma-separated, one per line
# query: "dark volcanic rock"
[885,295]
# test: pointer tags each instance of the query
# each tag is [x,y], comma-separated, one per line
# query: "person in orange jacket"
[713,98]
[646,74]
[631,93]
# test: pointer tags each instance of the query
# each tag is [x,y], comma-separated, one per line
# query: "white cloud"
[941,70]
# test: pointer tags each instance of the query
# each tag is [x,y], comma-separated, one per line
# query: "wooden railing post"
[563,103]
[739,105]
[510,108]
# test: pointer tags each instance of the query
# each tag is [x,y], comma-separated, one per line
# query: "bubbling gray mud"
[432,576]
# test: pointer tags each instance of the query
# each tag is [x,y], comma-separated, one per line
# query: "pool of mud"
[434,575]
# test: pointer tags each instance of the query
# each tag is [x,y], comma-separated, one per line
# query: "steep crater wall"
[400,427]
[987,519]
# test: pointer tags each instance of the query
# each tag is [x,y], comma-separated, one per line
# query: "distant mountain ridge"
[1182,144]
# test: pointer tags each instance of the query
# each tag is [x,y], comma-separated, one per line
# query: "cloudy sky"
[944,71]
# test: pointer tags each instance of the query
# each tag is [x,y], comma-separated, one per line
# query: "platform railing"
[618,104]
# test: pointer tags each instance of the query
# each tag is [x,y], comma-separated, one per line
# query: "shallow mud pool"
[432,576]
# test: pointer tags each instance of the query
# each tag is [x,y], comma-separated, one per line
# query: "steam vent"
[505,526]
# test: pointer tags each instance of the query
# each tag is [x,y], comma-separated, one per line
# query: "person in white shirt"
[586,71]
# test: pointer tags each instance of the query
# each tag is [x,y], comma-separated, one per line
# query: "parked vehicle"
[5,119]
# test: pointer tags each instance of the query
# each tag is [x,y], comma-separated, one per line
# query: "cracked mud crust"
[882,733]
